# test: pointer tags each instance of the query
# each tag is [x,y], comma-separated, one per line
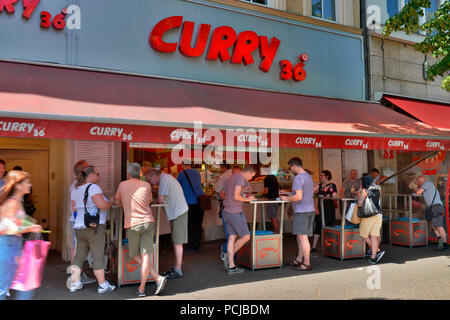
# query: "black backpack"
[90,221]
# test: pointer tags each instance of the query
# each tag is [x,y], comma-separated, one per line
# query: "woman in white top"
[90,238]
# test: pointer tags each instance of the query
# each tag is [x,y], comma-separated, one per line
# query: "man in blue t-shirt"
[191,192]
[304,212]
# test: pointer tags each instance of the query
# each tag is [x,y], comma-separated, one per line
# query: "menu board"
[332,161]
[101,155]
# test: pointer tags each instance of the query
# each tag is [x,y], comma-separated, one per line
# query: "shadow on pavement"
[205,270]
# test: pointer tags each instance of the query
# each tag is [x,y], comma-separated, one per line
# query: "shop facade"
[110,92]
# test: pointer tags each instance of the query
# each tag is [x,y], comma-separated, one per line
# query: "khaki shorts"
[370,226]
[140,239]
[179,230]
[93,240]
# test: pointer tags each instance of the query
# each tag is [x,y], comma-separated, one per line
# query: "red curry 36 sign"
[222,39]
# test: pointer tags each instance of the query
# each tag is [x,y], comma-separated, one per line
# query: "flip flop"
[299,268]
[295,263]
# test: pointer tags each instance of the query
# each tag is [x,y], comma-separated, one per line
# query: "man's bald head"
[353,174]
[420,181]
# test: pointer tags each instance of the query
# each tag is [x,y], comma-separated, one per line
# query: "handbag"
[204,201]
[435,210]
[90,221]
[30,269]
[368,209]
[352,214]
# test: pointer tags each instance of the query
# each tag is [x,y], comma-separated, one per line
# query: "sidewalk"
[418,273]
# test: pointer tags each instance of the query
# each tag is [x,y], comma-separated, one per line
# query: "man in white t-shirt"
[171,192]
[77,169]
[219,187]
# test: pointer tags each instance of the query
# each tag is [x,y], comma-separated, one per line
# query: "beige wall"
[310,159]
[294,6]
[403,71]
[347,12]
[58,186]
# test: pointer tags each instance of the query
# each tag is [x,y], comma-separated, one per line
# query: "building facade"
[395,66]
[110,83]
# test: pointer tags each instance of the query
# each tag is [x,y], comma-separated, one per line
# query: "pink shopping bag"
[31,265]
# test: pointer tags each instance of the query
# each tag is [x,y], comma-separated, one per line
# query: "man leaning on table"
[171,193]
[432,197]
[235,220]
[135,196]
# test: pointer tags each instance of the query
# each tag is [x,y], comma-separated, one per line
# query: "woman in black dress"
[325,189]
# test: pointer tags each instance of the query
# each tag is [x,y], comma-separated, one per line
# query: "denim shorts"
[236,224]
[10,250]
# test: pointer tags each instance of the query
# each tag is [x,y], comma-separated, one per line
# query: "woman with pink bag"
[13,223]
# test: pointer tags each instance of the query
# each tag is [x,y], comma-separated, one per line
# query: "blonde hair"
[13,178]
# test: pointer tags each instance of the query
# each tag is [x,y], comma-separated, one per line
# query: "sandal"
[299,268]
[295,263]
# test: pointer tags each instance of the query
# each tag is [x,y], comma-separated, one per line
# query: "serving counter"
[404,230]
[342,241]
[265,248]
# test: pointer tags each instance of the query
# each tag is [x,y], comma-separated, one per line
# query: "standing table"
[265,248]
[405,231]
[344,241]
[124,269]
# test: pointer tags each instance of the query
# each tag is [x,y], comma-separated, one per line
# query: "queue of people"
[89,215]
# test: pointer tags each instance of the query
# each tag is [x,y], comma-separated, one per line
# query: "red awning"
[432,113]
[80,102]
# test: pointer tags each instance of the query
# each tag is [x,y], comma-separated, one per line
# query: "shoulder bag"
[368,209]
[204,201]
[435,210]
[89,220]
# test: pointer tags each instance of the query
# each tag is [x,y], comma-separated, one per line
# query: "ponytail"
[81,179]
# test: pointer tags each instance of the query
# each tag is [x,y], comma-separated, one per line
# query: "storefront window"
[392,7]
[263,2]
[325,9]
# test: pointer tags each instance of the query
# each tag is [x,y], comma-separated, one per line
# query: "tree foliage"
[437,29]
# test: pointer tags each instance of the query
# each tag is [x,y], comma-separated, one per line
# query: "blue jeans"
[10,249]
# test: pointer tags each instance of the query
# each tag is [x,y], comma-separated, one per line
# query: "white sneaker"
[107,288]
[85,279]
[7,293]
[75,286]
[160,285]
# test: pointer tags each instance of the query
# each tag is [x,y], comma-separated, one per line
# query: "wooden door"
[35,162]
